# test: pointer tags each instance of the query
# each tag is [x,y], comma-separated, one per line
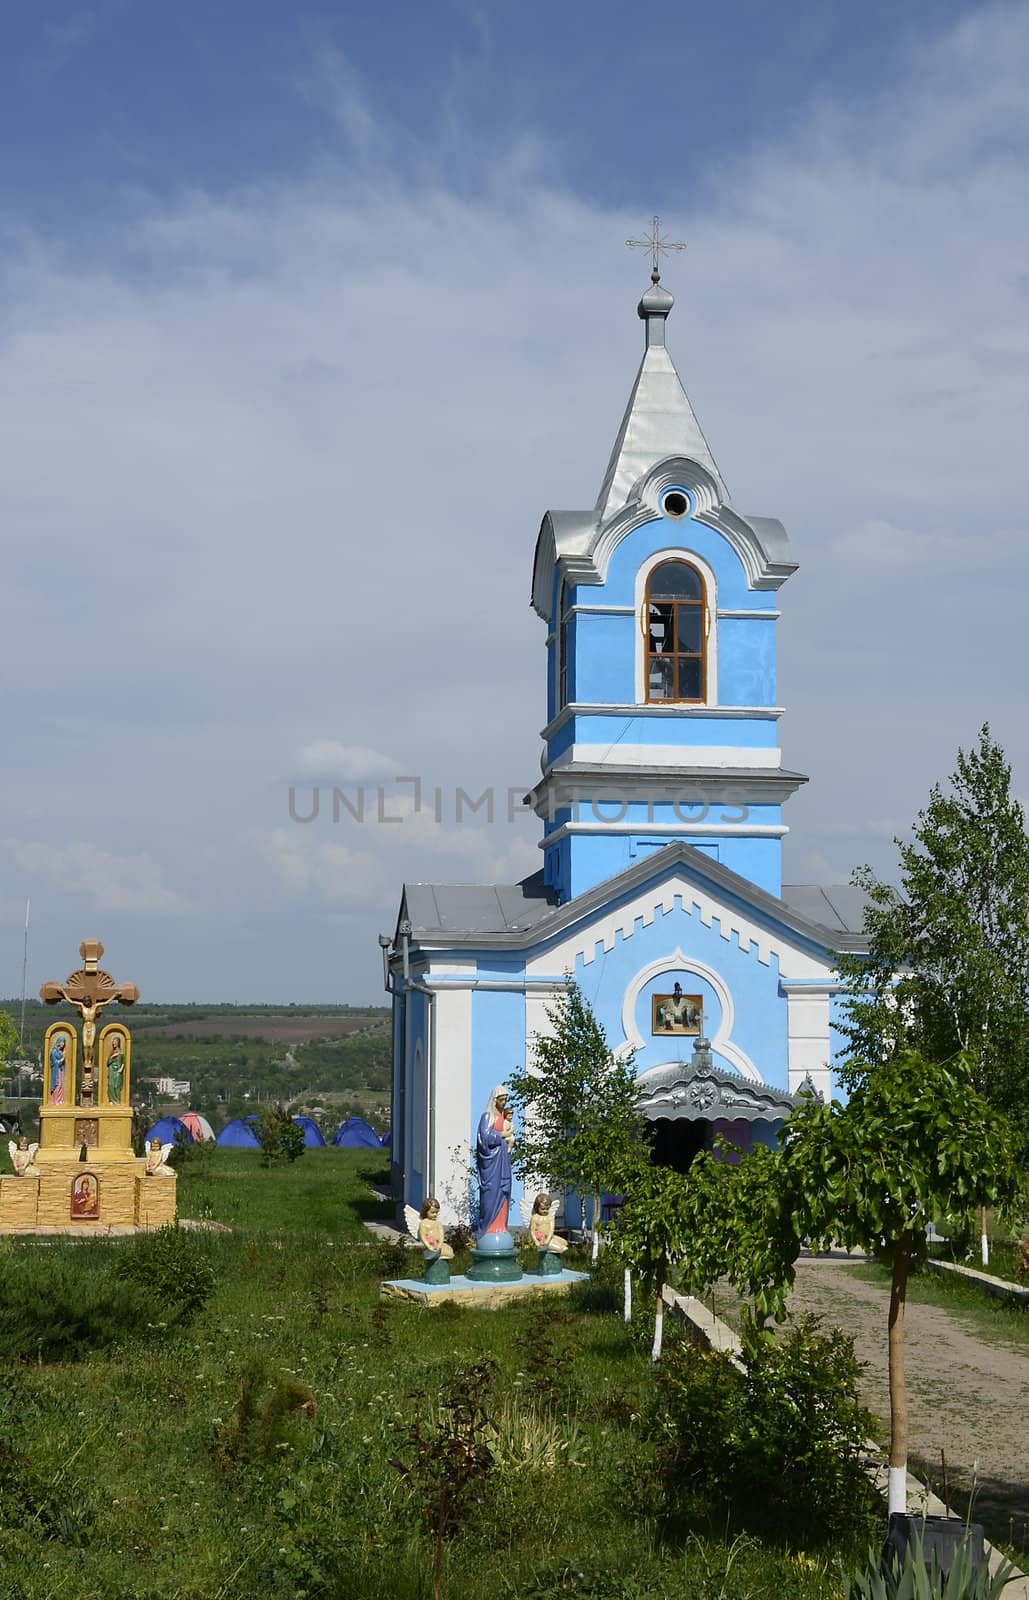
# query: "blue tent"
[355,1134]
[239,1135]
[386,1139]
[313,1135]
[168,1130]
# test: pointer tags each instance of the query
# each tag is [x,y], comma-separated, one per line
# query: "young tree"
[914,1138]
[575,1104]
[948,961]
[653,1229]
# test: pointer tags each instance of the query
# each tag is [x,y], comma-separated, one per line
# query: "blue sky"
[307,316]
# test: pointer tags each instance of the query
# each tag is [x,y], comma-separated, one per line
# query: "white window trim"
[677,553]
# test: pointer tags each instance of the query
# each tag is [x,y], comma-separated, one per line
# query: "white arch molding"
[722,1042]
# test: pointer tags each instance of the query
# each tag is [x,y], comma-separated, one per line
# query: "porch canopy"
[697,1089]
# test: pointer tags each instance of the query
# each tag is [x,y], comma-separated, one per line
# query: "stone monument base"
[116,1195]
[476,1295]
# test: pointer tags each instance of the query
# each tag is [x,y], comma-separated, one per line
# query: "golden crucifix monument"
[84,1174]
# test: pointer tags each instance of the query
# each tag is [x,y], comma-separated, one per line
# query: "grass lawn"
[170,1465]
[325,1193]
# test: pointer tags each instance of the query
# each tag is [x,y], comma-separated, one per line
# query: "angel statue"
[427,1229]
[23,1158]
[538,1216]
[157,1160]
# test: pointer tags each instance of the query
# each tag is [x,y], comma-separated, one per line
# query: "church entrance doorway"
[674,1142]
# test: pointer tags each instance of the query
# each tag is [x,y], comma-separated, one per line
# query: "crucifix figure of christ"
[656,244]
[89,990]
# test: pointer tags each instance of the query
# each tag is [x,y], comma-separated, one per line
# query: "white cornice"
[579,708]
[669,830]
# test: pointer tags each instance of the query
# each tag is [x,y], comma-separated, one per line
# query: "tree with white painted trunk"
[653,1230]
[914,1138]
[947,968]
[576,1117]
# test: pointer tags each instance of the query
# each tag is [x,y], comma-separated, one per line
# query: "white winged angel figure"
[23,1157]
[425,1227]
[157,1160]
[538,1217]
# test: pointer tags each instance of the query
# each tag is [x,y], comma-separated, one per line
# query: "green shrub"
[783,1440]
[263,1425]
[60,1310]
[279,1136]
[911,1579]
[806,1433]
[172,1267]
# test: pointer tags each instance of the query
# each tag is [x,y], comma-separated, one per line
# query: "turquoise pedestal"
[437,1271]
[494,1259]
[549,1265]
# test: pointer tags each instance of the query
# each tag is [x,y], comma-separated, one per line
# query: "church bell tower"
[661,608]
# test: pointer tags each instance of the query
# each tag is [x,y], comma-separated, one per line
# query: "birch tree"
[576,1119]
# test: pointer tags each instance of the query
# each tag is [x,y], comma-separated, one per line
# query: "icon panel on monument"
[85,1198]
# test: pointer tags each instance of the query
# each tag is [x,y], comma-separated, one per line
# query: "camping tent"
[239,1135]
[168,1130]
[313,1135]
[386,1139]
[355,1134]
[198,1126]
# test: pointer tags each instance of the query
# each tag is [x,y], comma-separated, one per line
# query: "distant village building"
[174,1088]
[661,811]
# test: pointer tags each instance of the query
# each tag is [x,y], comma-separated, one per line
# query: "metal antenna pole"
[24,973]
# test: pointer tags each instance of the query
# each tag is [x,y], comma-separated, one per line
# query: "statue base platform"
[437,1272]
[106,1131]
[475,1294]
[549,1264]
[115,1195]
[494,1266]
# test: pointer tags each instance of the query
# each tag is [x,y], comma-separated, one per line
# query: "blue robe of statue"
[57,1064]
[493,1161]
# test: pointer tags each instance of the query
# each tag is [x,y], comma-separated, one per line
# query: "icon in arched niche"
[59,1065]
[85,1198]
[677,1012]
[115,1050]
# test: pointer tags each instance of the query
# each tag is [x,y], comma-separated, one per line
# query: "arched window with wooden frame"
[676,622]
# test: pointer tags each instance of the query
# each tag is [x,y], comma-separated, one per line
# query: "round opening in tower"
[675,504]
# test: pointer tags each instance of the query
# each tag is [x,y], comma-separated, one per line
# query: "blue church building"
[661,815]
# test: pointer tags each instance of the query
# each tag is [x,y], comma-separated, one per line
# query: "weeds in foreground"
[447,1454]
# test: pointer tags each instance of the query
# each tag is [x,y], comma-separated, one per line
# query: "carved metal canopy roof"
[698,1089]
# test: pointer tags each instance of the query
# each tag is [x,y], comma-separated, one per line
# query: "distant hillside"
[237,1057]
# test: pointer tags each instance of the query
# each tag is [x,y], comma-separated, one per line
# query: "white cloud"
[111,882]
[325,760]
[326,870]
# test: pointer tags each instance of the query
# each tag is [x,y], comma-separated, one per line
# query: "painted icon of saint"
[58,1068]
[85,1196]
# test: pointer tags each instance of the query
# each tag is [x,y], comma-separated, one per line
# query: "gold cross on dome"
[655,244]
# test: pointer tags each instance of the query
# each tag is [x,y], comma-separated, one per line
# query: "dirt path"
[967,1396]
